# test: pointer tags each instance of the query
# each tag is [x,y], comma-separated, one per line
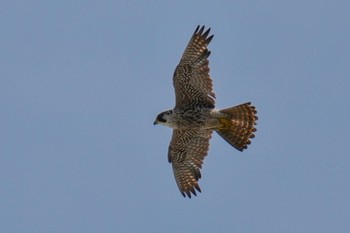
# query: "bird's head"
[164,118]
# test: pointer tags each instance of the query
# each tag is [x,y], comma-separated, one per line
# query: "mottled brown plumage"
[187,150]
[194,116]
[192,82]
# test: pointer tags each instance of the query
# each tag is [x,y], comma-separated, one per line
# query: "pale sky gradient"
[81,83]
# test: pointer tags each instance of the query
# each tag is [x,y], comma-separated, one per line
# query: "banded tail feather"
[239,125]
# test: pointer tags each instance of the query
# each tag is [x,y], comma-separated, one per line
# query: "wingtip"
[193,192]
[200,30]
[198,188]
[187,194]
[197,28]
[206,33]
[209,39]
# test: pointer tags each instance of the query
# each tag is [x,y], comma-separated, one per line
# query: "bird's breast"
[192,118]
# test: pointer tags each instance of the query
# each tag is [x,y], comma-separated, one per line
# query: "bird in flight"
[194,117]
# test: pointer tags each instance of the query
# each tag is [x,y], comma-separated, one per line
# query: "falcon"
[194,117]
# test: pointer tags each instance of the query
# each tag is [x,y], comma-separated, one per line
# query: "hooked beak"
[155,122]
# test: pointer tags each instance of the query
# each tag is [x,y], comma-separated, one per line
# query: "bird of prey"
[194,117]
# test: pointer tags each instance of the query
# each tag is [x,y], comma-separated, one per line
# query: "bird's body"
[194,116]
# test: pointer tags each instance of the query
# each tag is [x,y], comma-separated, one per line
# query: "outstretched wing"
[192,82]
[187,150]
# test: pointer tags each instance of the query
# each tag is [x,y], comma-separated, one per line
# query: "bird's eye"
[160,118]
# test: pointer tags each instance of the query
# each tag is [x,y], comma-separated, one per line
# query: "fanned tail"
[238,126]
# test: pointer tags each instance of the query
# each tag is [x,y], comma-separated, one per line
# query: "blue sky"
[81,83]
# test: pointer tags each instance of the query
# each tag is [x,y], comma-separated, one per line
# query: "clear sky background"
[81,83]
